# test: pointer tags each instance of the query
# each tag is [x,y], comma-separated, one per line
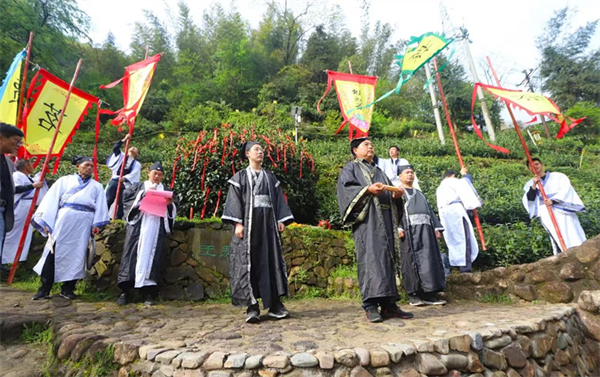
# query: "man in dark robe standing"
[258,211]
[140,262]
[422,266]
[374,213]
[131,174]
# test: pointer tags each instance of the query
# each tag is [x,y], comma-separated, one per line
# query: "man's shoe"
[373,315]
[415,301]
[122,299]
[278,311]
[432,299]
[396,313]
[41,295]
[149,301]
[253,315]
[69,295]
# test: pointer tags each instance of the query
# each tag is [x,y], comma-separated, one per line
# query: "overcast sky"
[505,30]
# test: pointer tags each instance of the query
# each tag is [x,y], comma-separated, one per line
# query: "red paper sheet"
[155,202]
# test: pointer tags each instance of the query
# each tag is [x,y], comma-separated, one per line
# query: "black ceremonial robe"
[133,218]
[374,221]
[422,266]
[256,265]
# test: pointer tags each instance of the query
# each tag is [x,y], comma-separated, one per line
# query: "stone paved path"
[315,324]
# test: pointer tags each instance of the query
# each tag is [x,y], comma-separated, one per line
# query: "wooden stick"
[24,80]
[116,202]
[13,269]
[350,67]
[457,148]
[530,162]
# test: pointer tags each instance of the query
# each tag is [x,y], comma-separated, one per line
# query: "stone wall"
[557,279]
[196,259]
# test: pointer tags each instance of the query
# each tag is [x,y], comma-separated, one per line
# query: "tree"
[570,70]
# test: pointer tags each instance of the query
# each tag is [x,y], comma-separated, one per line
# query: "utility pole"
[297,116]
[434,103]
[484,108]
[530,85]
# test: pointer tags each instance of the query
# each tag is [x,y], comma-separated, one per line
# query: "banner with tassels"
[45,98]
[532,103]
[353,92]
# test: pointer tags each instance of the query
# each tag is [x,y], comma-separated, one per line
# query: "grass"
[503,298]
[343,272]
[37,333]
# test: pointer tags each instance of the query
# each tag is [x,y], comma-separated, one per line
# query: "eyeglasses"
[19,142]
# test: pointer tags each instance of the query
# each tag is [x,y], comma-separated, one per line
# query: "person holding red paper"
[140,262]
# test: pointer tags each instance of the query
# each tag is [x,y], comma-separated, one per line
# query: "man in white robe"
[390,167]
[131,174]
[73,210]
[564,201]
[455,196]
[140,262]
[24,190]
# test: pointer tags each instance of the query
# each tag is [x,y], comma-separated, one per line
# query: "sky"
[504,30]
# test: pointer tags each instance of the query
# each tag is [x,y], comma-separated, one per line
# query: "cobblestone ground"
[314,324]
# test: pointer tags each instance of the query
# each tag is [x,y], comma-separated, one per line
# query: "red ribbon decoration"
[205,203]
[218,202]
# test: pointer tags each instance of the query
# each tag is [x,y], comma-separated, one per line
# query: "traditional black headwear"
[77,160]
[449,173]
[355,143]
[157,166]
[402,168]
[245,147]
[9,130]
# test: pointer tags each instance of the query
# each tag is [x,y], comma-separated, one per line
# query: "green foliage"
[342,271]
[37,333]
[590,125]
[496,299]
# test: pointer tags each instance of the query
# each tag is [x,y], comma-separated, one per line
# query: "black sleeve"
[531,194]
[117,147]
[469,177]
[24,188]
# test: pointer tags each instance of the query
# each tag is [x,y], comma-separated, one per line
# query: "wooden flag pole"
[456,148]
[530,161]
[13,269]
[24,80]
[118,194]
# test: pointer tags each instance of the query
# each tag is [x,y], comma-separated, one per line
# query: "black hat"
[9,130]
[157,166]
[402,168]
[449,173]
[77,160]
[245,147]
[355,143]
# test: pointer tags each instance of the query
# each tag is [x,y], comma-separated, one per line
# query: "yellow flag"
[531,102]
[43,113]
[429,45]
[9,91]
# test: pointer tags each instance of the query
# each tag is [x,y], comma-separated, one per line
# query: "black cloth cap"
[80,160]
[402,168]
[245,147]
[449,173]
[9,130]
[355,143]
[157,166]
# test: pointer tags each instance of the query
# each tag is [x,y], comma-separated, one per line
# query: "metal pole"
[484,108]
[436,111]
[13,269]
[457,149]
[530,163]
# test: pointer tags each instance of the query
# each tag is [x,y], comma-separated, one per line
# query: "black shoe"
[41,295]
[69,295]
[373,315]
[122,299]
[278,311]
[253,314]
[432,299]
[149,301]
[396,313]
[415,301]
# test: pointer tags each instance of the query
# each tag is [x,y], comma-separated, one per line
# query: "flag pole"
[24,80]
[118,194]
[457,149]
[530,162]
[13,269]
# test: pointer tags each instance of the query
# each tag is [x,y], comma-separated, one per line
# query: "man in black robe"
[144,238]
[422,266]
[374,213]
[258,211]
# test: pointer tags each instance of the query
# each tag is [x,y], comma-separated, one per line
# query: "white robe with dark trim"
[558,188]
[22,205]
[69,211]
[454,197]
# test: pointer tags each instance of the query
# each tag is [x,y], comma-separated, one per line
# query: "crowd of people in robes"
[395,229]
